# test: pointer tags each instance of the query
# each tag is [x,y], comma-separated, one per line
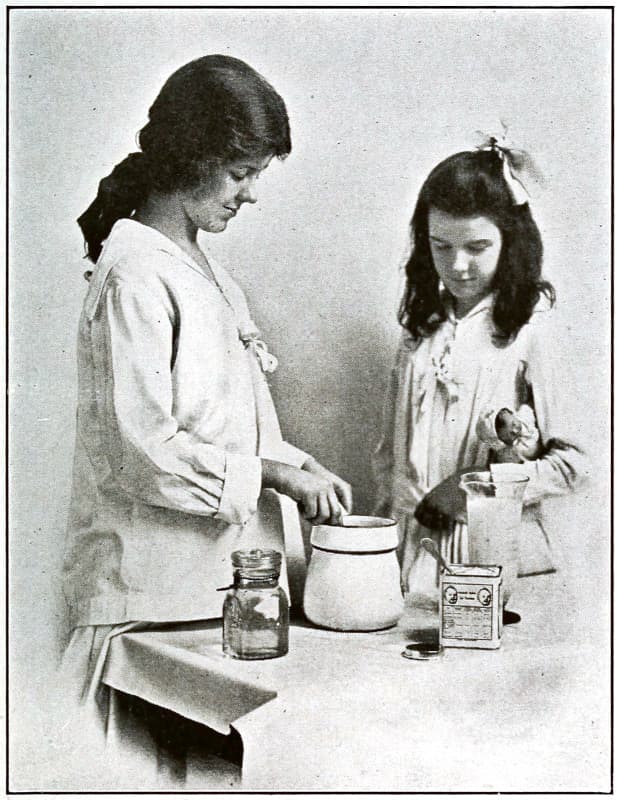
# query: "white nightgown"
[439,388]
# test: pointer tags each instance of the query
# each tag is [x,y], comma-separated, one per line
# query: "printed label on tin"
[467,611]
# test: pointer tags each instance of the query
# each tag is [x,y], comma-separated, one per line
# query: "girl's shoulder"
[130,262]
[547,334]
[543,317]
[136,253]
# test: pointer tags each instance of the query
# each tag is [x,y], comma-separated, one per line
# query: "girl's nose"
[248,193]
[461,264]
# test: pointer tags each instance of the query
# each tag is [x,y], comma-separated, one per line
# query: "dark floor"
[176,737]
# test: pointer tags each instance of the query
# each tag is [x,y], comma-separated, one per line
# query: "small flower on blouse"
[268,362]
[444,374]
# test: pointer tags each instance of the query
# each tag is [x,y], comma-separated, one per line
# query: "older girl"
[178,447]
[479,336]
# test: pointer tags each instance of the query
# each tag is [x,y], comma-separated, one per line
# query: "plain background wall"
[376,98]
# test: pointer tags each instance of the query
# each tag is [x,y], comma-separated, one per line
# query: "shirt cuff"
[242,486]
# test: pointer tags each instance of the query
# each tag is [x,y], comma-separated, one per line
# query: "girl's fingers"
[323,509]
[336,511]
[309,507]
[344,493]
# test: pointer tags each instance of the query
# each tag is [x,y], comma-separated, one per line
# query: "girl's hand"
[343,490]
[315,489]
[445,504]
[508,427]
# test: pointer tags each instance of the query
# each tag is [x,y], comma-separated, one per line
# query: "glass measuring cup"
[494,505]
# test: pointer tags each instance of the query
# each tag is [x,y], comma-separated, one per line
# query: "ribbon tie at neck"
[268,362]
[443,370]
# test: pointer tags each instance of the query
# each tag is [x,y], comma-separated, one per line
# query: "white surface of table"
[347,712]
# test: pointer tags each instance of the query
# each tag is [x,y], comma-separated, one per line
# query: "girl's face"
[465,253]
[210,207]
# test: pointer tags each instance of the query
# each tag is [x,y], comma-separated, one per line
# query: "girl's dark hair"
[472,184]
[214,109]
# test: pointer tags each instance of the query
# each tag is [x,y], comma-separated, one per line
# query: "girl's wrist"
[273,474]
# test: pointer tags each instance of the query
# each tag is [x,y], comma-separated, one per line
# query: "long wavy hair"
[471,184]
[211,111]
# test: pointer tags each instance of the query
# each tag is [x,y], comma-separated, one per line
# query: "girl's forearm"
[275,475]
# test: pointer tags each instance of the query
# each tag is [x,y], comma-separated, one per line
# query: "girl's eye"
[478,248]
[238,176]
[440,247]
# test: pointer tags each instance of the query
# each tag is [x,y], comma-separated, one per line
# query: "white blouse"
[439,389]
[174,414]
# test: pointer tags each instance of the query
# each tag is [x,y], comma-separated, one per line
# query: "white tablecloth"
[347,712]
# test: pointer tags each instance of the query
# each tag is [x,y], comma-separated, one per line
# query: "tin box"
[471,606]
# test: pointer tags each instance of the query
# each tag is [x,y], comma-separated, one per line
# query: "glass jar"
[255,610]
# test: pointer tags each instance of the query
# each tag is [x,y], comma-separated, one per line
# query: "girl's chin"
[215,226]
[463,288]
[466,301]
[466,292]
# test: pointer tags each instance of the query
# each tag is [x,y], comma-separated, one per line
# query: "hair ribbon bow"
[512,161]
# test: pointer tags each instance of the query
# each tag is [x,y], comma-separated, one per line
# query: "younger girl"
[478,337]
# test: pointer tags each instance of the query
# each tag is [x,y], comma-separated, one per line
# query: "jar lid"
[357,534]
[422,651]
[257,561]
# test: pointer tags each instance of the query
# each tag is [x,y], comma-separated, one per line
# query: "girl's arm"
[158,463]
[152,458]
[563,465]
[321,495]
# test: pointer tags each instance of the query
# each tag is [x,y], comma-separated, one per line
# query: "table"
[345,712]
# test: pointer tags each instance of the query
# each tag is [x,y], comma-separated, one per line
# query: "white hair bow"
[513,161]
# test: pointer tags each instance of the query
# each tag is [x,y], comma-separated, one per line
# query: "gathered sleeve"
[151,458]
[562,465]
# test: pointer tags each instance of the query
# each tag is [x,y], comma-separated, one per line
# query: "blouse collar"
[486,304]
[129,236]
